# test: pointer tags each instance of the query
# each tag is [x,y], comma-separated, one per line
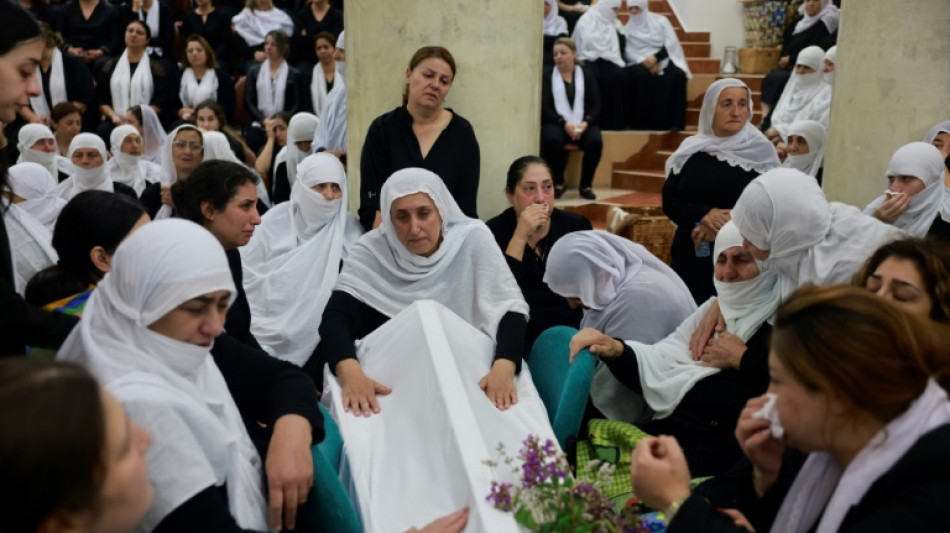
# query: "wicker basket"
[646,227]
[758,60]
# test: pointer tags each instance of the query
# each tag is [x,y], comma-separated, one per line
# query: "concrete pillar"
[891,82]
[497,48]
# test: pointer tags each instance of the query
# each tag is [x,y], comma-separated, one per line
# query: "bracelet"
[674,508]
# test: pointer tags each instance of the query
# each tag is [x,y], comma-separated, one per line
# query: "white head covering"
[128,88]
[170,387]
[217,148]
[169,173]
[293,259]
[57,87]
[749,149]
[628,293]
[32,182]
[943,127]
[254,24]
[829,15]
[553,23]
[831,56]
[86,179]
[31,248]
[810,241]
[341,65]
[467,274]
[153,135]
[127,168]
[646,33]
[301,128]
[28,136]
[924,162]
[193,92]
[814,134]
[596,34]
[805,97]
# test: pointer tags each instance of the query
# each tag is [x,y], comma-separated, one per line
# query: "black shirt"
[216,29]
[103,29]
[303,46]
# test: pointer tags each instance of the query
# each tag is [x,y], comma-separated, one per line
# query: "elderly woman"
[915,189]
[526,232]
[806,147]
[706,175]
[202,80]
[598,46]
[299,140]
[34,190]
[298,250]
[88,154]
[421,133]
[856,423]
[37,144]
[939,136]
[273,86]
[696,401]
[64,79]
[424,248]
[806,97]
[127,165]
[570,113]
[182,152]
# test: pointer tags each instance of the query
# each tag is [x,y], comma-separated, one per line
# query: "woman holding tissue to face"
[854,384]
[915,189]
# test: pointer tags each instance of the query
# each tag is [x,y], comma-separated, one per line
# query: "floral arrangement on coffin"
[550,500]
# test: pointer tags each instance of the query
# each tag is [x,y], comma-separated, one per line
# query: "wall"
[723,18]
[890,88]
[495,88]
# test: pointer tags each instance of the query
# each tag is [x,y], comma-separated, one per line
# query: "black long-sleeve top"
[347,319]
[103,29]
[549,114]
[165,39]
[238,321]
[391,145]
[215,28]
[302,46]
[161,95]
[793,43]
[293,92]
[77,78]
[225,96]
[547,308]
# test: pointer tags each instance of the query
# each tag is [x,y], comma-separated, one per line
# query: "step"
[754,81]
[639,180]
[696,49]
[691,36]
[659,6]
[703,65]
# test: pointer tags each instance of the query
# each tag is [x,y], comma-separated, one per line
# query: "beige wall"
[891,82]
[496,44]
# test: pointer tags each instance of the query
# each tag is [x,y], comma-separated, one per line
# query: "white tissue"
[770,412]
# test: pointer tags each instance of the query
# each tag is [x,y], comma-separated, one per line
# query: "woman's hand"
[702,233]
[715,219]
[738,519]
[892,208]
[260,56]
[573,131]
[758,445]
[75,51]
[167,196]
[713,322]
[725,351]
[289,469]
[185,113]
[499,384]
[600,344]
[649,62]
[784,61]
[92,55]
[532,219]
[659,473]
[359,390]
[450,523]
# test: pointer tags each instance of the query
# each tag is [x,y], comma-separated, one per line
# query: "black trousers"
[656,102]
[613,93]
[553,139]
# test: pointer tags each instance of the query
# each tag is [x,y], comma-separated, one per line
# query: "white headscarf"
[825,491]
[553,23]
[627,292]
[467,273]
[810,241]
[126,168]
[153,135]
[814,134]
[33,182]
[646,33]
[748,149]
[829,15]
[170,387]
[130,89]
[596,34]
[169,173]
[293,259]
[31,248]
[193,92]
[217,148]
[943,127]
[925,162]
[805,97]
[86,179]
[28,136]
[831,56]
[301,128]
[57,87]
[254,24]
[271,91]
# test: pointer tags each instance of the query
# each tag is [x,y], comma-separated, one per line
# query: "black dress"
[391,145]
[704,183]
[547,309]
[303,51]
[215,27]
[656,102]
[102,30]
[553,136]
[792,44]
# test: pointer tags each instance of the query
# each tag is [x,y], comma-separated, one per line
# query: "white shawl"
[254,24]
[129,169]
[814,134]
[829,15]
[749,149]
[553,23]
[467,274]
[596,34]
[57,87]
[271,90]
[646,33]
[293,259]
[33,183]
[806,97]
[86,179]
[924,162]
[131,89]
[28,136]
[31,245]
[943,127]
[823,489]
[318,88]
[572,113]
[170,387]
[810,241]
[193,92]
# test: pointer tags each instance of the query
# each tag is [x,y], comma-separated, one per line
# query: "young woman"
[912,274]
[272,87]
[806,147]
[160,19]
[915,189]
[214,25]
[275,127]
[202,80]
[324,72]
[209,116]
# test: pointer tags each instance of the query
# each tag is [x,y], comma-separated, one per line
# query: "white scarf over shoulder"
[32,182]
[809,240]
[806,97]
[31,245]
[554,24]
[318,88]
[254,24]
[596,34]
[748,149]
[292,262]
[924,162]
[130,89]
[829,15]
[171,388]
[271,90]
[943,127]
[28,136]
[627,293]
[128,169]
[573,113]
[193,92]
[86,179]
[646,33]
[467,273]
[814,134]
[826,491]
[57,87]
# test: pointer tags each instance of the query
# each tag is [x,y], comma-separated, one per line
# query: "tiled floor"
[573,198]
